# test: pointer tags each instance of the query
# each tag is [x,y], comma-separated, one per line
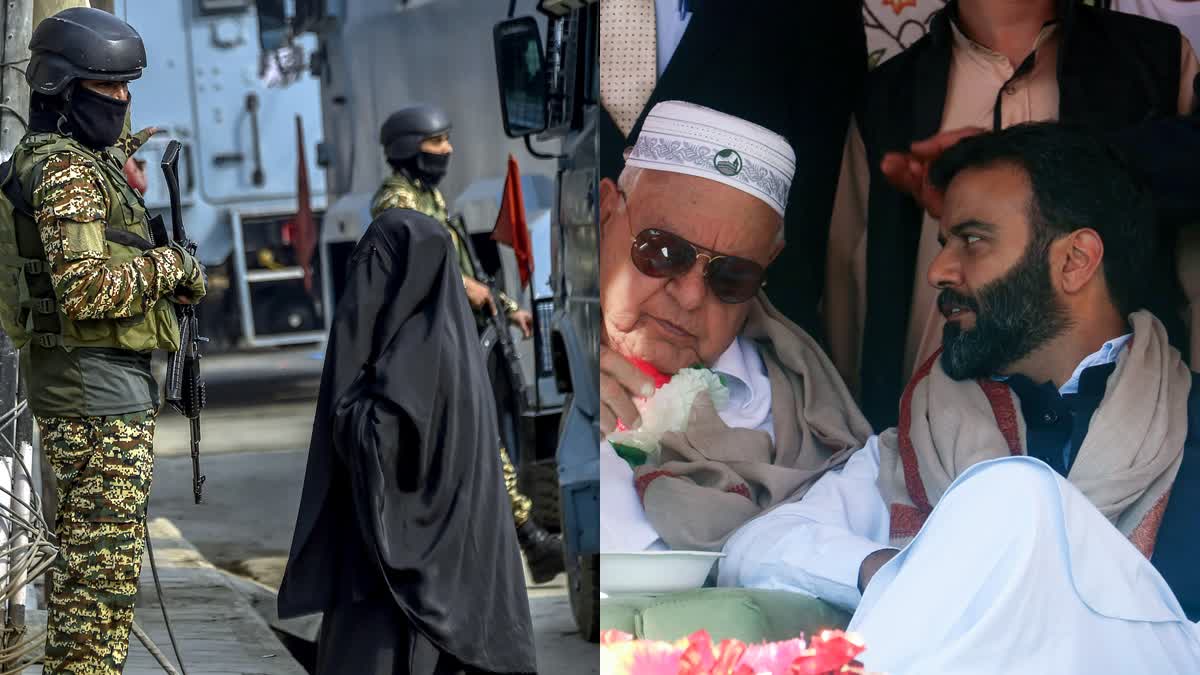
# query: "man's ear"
[609,196]
[1082,259]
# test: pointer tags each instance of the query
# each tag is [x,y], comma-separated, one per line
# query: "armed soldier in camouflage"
[95,302]
[416,142]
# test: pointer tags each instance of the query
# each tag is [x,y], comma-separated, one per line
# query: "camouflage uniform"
[72,209]
[96,410]
[522,506]
[94,303]
[400,192]
[103,466]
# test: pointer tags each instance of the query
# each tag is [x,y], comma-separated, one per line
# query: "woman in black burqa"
[404,538]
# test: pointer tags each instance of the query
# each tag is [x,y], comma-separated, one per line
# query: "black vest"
[1114,71]
[1054,424]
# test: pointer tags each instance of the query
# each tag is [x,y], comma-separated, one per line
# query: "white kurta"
[623,523]
[816,546]
[1014,571]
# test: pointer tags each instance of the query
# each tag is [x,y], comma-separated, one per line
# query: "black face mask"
[95,119]
[1014,315]
[432,168]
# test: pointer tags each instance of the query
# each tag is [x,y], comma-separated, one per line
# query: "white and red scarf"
[1126,465]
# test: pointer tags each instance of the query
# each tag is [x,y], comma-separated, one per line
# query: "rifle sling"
[127,238]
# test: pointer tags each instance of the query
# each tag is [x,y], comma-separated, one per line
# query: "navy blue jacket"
[1053,421]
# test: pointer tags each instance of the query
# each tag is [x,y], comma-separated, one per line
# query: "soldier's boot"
[543,551]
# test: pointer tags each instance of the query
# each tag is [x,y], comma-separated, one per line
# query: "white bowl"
[655,571]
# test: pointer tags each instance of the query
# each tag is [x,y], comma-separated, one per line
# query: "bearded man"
[686,235]
[1036,508]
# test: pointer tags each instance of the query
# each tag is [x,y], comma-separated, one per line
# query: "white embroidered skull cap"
[690,139]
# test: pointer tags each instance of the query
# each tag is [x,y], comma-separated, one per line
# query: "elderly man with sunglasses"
[686,235]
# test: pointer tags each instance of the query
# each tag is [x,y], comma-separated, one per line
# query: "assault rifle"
[498,331]
[185,388]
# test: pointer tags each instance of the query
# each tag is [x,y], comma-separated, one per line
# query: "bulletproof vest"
[399,191]
[29,309]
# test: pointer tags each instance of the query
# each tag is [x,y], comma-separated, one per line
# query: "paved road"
[257,401]
[256,433]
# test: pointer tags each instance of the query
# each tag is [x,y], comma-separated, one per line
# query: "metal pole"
[18,28]
[22,493]
[17,434]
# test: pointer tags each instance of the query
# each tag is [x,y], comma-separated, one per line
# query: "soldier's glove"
[193,284]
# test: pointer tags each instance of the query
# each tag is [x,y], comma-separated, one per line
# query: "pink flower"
[610,636]
[829,652]
[640,657]
[773,657]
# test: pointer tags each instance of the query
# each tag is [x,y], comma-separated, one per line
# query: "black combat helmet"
[82,43]
[404,130]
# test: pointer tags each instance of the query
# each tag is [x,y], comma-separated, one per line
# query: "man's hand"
[479,295]
[524,320]
[871,564]
[909,171]
[146,133]
[129,143]
[193,284]
[620,381]
[135,173]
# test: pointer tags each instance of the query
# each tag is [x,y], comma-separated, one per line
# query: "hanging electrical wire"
[27,549]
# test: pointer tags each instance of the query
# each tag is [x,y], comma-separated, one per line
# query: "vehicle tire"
[539,482]
[583,591]
[292,314]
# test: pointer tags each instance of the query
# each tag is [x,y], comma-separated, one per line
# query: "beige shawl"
[1126,465]
[713,478]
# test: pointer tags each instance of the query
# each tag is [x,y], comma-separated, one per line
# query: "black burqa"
[403,505]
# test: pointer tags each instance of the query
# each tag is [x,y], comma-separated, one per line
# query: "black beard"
[1014,315]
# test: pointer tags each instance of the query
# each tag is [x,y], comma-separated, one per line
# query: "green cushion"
[749,615]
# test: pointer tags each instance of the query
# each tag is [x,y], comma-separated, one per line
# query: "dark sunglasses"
[661,254]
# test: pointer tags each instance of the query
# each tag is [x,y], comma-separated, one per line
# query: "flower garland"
[829,652]
[667,409]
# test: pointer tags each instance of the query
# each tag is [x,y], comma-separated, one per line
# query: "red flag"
[305,232]
[511,228]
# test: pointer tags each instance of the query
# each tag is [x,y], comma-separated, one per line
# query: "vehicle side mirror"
[521,72]
[272,24]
